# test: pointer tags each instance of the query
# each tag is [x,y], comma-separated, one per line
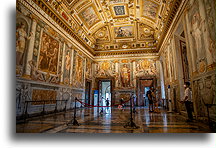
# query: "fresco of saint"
[125,76]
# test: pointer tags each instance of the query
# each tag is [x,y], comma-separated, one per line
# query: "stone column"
[30,47]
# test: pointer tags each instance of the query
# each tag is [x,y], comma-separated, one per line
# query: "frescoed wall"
[125,73]
[200,20]
[49,67]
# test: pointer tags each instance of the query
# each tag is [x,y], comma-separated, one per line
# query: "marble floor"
[112,120]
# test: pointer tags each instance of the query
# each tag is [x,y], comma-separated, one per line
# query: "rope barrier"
[90,106]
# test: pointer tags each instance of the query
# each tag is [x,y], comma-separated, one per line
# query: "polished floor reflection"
[111,120]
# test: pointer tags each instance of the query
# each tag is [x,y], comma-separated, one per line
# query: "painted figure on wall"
[78,69]
[67,61]
[104,69]
[67,66]
[196,32]
[125,76]
[21,38]
[48,58]
[88,69]
[145,67]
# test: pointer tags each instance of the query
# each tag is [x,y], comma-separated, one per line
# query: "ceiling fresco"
[108,26]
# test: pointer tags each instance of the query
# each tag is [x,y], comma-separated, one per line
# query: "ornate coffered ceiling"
[115,26]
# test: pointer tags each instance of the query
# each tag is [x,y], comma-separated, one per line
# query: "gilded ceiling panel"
[119,10]
[89,16]
[149,9]
[124,32]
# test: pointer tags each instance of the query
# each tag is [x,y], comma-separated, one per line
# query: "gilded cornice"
[169,21]
[108,53]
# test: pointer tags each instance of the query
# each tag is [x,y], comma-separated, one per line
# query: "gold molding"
[108,53]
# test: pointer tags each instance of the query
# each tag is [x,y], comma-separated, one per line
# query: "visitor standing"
[187,100]
[149,95]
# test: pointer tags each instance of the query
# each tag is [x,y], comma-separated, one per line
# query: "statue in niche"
[196,25]
[125,76]
[21,37]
